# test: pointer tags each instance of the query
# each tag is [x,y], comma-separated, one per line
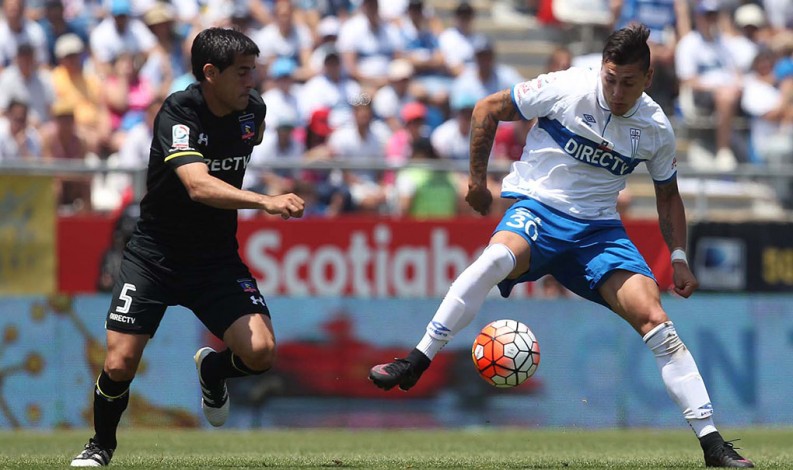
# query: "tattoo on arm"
[483,131]
[667,229]
[665,196]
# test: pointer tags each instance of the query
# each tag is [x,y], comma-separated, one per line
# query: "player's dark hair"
[628,46]
[219,47]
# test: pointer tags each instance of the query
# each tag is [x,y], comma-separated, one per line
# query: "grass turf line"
[403,449]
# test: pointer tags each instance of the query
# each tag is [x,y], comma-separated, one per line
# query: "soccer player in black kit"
[184,249]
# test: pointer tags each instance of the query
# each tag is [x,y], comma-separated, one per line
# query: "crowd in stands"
[386,81]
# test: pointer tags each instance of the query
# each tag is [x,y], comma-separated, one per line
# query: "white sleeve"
[347,37]
[537,97]
[663,165]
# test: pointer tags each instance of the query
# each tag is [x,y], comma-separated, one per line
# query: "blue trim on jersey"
[515,102]
[666,181]
[588,151]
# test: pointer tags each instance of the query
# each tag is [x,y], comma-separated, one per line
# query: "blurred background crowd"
[377,84]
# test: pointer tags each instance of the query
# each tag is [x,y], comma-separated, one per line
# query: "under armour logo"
[257,300]
[203,139]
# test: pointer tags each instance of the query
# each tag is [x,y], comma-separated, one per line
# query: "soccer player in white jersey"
[593,129]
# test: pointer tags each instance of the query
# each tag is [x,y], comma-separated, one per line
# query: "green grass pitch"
[401,449]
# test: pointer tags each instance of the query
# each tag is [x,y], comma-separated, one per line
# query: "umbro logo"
[590,119]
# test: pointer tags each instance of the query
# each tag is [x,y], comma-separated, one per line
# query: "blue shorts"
[580,254]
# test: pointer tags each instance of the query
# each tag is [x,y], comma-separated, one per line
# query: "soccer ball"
[506,353]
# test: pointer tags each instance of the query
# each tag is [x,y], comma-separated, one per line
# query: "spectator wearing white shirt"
[485,76]
[278,146]
[327,34]
[710,77]
[282,97]
[18,139]
[779,13]
[368,44]
[362,140]
[389,100]
[25,81]
[451,139]
[422,49]
[285,38]
[117,34]
[16,29]
[749,20]
[455,42]
[771,131]
[330,89]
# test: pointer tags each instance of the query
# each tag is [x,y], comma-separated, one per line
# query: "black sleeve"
[176,134]
[259,112]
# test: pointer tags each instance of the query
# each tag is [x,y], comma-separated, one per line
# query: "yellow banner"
[27,235]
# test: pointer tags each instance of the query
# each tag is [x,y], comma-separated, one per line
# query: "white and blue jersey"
[575,162]
[579,155]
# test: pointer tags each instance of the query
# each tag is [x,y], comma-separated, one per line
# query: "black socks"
[225,365]
[110,401]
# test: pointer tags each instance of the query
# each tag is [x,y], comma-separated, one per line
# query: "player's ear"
[210,72]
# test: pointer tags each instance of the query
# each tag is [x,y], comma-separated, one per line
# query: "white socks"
[465,297]
[681,377]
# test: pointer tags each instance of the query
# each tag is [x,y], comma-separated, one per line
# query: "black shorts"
[218,294]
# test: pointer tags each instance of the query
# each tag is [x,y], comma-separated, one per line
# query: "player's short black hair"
[219,47]
[628,46]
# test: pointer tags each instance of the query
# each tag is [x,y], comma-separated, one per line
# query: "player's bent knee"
[121,368]
[260,358]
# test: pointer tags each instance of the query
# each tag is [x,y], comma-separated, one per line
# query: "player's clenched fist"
[479,198]
[285,205]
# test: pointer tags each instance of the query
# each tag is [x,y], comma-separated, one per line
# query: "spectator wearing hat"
[283,38]
[55,25]
[330,89]
[390,99]
[282,95]
[368,44]
[327,32]
[709,81]
[167,59]
[362,140]
[485,77]
[456,41]
[414,126]
[332,193]
[750,25]
[19,140]
[83,90]
[25,81]
[16,29]
[61,141]
[119,32]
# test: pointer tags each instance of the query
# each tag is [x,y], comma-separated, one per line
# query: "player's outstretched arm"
[206,189]
[672,220]
[484,122]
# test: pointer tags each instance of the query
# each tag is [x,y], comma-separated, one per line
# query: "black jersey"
[171,224]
